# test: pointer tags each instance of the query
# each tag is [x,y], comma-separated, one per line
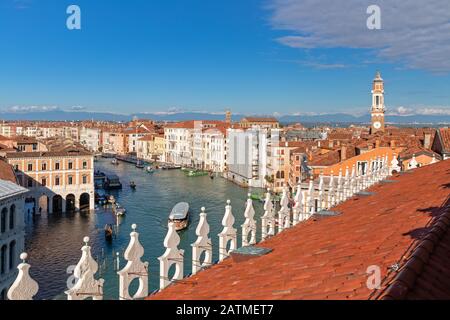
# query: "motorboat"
[133,185]
[112,182]
[180,216]
[120,211]
[140,165]
[149,169]
[115,162]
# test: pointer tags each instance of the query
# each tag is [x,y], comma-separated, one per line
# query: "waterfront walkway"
[328,257]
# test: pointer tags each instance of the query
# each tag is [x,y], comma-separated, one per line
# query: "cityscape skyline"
[180,56]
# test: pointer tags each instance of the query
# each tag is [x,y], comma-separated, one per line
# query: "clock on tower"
[378,110]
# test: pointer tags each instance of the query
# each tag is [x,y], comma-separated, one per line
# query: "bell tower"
[378,109]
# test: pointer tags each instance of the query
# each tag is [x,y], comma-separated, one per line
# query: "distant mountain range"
[60,115]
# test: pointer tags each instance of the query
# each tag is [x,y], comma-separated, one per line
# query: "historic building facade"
[11,232]
[58,181]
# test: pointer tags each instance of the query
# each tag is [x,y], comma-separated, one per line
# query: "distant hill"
[60,115]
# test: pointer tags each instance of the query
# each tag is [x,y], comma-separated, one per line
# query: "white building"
[248,154]
[179,143]
[214,142]
[12,233]
[90,138]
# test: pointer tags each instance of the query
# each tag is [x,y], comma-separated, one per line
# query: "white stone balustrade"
[310,198]
[228,234]
[268,219]
[284,214]
[134,269]
[172,256]
[339,188]
[249,226]
[24,287]
[86,285]
[202,245]
[298,209]
[331,193]
[321,198]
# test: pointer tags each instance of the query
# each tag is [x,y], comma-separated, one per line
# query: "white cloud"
[414,32]
[77,108]
[24,109]
[425,111]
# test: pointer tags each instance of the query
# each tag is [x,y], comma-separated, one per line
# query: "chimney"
[343,153]
[392,143]
[377,143]
[427,141]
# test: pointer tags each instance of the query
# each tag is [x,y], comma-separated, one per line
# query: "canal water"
[54,241]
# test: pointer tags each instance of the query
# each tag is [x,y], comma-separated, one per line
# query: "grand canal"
[54,241]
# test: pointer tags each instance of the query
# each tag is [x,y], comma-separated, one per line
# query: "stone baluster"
[413,163]
[394,165]
[284,220]
[202,244]
[339,188]
[249,226]
[24,287]
[353,181]
[346,184]
[134,269]
[378,170]
[331,195]
[86,285]
[321,200]
[311,198]
[299,205]
[386,166]
[172,256]
[268,219]
[228,234]
[433,161]
[370,173]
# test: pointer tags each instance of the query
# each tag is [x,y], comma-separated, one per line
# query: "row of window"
[57,182]
[57,166]
[12,255]
[12,218]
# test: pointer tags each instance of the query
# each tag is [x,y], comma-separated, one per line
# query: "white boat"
[180,216]
[149,169]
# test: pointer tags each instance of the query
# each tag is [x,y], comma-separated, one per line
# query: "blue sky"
[262,57]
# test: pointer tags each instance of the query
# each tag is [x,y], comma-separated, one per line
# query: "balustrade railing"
[306,202]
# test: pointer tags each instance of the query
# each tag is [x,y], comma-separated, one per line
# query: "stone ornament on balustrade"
[172,256]
[24,287]
[249,226]
[284,214]
[134,269]
[321,197]
[202,245]
[228,234]
[310,199]
[268,219]
[86,285]
[298,209]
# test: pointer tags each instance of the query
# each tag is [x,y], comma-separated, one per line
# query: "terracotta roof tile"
[327,258]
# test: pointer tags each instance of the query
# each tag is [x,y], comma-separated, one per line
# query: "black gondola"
[108,232]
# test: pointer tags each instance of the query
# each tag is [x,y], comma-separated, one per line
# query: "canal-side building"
[60,179]
[248,153]
[12,234]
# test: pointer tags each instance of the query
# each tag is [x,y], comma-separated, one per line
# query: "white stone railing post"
[86,285]
[311,198]
[320,200]
[134,269]
[24,287]
[202,244]
[249,226]
[284,220]
[172,256]
[268,219]
[353,182]
[228,234]
[298,207]
[339,188]
[346,184]
[331,194]
[394,165]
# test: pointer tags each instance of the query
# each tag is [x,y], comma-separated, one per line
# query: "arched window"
[3,220]
[12,217]
[3,259]
[12,254]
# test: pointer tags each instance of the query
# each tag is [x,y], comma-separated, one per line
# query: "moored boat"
[108,232]
[132,185]
[180,216]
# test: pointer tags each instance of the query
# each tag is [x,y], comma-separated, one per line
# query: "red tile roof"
[327,258]
[7,172]
[445,137]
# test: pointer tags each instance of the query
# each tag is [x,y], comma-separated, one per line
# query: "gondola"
[108,232]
